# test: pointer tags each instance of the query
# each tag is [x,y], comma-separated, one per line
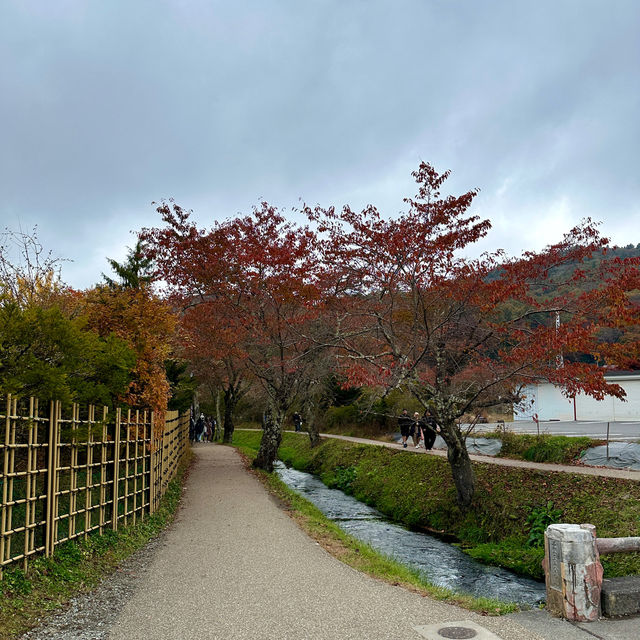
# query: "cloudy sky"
[108,105]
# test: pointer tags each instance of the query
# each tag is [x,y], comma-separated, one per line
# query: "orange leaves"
[147,325]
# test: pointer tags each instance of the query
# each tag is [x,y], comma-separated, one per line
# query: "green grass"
[542,448]
[356,553]
[76,566]
[509,505]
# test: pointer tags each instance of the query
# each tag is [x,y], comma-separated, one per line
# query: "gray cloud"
[108,106]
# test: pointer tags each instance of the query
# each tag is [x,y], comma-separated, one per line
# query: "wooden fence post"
[116,470]
[162,465]
[152,466]
[50,525]
[5,465]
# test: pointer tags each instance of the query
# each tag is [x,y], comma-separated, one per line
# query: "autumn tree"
[47,349]
[264,272]
[212,341]
[460,334]
[131,311]
[29,274]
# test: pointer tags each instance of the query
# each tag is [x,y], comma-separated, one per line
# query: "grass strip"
[361,556]
[77,566]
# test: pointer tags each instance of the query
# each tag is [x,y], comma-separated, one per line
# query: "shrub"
[539,519]
[345,477]
[337,417]
[556,449]
[543,448]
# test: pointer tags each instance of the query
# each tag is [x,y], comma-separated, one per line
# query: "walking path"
[627,474]
[234,566]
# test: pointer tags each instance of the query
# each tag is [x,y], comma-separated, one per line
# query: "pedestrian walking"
[208,430]
[192,429]
[417,429]
[297,421]
[429,430]
[404,423]
[200,428]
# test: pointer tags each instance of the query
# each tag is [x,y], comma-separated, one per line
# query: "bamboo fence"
[68,473]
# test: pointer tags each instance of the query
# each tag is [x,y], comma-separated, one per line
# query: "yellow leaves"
[148,325]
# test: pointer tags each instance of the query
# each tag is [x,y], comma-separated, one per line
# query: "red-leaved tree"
[264,273]
[212,341]
[460,334]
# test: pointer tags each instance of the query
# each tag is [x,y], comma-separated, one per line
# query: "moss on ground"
[509,505]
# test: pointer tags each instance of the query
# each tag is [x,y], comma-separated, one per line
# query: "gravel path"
[90,616]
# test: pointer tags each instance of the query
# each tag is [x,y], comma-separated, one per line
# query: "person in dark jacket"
[192,429]
[429,430]
[297,421]
[200,428]
[405,423]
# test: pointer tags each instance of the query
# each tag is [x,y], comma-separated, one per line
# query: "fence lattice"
[67,473]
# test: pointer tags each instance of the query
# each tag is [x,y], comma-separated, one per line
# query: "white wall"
[548,402]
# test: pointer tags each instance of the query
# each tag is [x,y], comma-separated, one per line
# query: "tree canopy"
[395,303]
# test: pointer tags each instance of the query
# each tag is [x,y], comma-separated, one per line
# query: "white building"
[546,400]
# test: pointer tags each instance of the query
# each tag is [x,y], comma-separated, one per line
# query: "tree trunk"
[270,443]
[312,429]
[461,469]
[229,406]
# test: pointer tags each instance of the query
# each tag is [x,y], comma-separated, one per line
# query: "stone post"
[573,573]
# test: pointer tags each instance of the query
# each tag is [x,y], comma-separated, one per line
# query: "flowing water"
[441,563]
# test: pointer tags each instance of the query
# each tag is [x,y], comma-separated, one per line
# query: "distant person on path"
[405,423]
[208,430]
[297,421]
[200,428]
[417,429]
[429,430]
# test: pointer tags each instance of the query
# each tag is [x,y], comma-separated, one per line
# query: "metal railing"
[67,473]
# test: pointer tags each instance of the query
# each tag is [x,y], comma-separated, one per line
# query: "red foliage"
[463,334]
[260,279]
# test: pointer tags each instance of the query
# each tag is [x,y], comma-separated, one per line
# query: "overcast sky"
[108,105]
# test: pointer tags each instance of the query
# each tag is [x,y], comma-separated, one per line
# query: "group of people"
[418,429]
[202,429]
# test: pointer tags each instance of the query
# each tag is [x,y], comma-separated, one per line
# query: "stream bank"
[512,505]
[440,563]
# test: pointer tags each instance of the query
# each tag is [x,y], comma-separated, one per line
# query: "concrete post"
[573,573]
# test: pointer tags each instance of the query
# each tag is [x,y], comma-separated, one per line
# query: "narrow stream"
[441,563]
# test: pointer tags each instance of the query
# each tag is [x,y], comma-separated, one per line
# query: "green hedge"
[510,504]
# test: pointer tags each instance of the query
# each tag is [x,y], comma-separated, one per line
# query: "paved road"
[234,565]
